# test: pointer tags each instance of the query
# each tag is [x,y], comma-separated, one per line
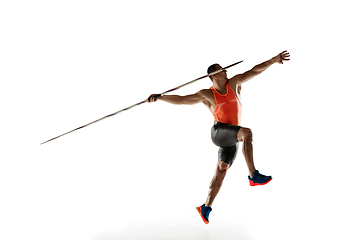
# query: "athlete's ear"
[213,77]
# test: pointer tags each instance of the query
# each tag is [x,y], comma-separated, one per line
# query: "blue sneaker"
[204,213]
[259,179]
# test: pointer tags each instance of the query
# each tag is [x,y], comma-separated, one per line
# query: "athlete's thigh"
[228,154]
[225,135]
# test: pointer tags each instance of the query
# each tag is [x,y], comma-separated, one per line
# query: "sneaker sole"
[199,210]
[258,184]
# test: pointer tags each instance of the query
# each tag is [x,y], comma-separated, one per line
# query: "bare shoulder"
[236,80]
[235,84]
[208,99]
[206,93]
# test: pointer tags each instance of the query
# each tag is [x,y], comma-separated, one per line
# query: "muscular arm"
[256,70]
[176,99]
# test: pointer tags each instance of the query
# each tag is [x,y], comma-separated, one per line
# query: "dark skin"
[206,97]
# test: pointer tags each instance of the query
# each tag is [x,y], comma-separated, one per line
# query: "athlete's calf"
[216,182]
[245,136]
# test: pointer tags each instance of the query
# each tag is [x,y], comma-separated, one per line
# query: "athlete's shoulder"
[205,91]
[208,98]
[234,86]
[207,94]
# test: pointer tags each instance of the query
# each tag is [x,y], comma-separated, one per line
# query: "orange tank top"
[228,107]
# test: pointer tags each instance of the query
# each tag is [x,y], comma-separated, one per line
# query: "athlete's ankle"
[252,173]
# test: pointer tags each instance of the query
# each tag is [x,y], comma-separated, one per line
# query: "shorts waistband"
[219,123]
[216,123]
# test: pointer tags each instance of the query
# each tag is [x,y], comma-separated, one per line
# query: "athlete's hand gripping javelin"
[153,98]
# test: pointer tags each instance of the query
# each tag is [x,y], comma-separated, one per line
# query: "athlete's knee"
[221,169]
[248,135]
[245,134]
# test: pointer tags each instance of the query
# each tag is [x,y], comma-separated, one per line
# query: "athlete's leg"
[216,182]
[245,136]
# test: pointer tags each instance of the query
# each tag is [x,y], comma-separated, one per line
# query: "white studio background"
[140,174]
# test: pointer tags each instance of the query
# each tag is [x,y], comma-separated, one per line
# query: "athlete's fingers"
[153,98]
[286,54]
[156,97]
[285,59]
[150,99]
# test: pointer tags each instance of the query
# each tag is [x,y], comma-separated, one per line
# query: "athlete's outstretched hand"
[153,98]
[284,56]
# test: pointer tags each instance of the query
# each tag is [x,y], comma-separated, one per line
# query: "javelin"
[137,104]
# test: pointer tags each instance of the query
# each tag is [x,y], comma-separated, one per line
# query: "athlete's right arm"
[176,99]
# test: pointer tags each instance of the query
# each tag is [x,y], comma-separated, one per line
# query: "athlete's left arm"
[256,70]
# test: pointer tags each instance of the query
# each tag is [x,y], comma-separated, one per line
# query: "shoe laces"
[259,175]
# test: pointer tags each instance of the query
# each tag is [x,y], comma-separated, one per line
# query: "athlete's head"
[214,68]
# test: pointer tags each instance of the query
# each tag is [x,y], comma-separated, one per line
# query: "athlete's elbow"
[185,102]
[256,71]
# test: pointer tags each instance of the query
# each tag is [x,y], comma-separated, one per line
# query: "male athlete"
[223,102]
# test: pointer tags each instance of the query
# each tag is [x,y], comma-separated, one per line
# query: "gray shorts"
[225,136]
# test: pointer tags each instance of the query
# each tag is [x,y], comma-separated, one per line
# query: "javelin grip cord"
[137,104]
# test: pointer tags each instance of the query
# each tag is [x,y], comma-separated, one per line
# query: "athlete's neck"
[220,87]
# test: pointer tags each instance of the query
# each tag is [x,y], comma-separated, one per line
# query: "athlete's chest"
[211,101]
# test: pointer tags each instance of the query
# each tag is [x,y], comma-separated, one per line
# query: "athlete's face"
[221,75]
